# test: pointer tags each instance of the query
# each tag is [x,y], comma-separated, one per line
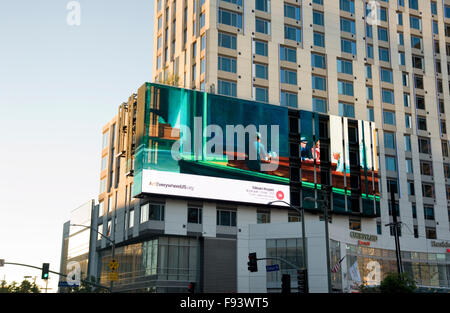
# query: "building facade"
[358,60]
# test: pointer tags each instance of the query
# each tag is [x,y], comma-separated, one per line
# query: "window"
[345,88]
[262,5]
[418,81]
[230,18]
[420,102]
[389,117]
[288,77]
[387,96]
[194,215]
[430,232]
[288,54]
[261,94]
[370,115]
[319,39]
[103,185]
[227,64]
[292,33]
[261,71]
[262,26]
[346,110]
[408,120]
[422,123]
[391,164]
[354,223]
[400,39]
[424,145]
[226,218]
[383,54]
[227,41]
[444,146]
[427,190]
[389,140]
[347,5]
[383,34]
[401,58]
[288,99]
[261,48]
[292,11]
[392,184]
[407,143]
[348,26]
[409,166]
[105,141]
[318,18]
[319,82]
[100,232]
[368,68]
[428,212]
[226,88]
[405,79]
[386,75]
[294,217]
[416,42]
[262,217]
[131,219]
[345,66]
[348,46]
[369,51]
[426,168]
[417,62]
[415,22]
[318,60]
[406,99]
[104,164]
[414,4]
[319,105]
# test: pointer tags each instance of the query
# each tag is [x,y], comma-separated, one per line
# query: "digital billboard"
[206,146]
[213,147]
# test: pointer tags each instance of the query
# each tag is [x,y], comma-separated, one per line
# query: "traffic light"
[45,270]
[302,281]
[191,287]
[286,283]
[252,262]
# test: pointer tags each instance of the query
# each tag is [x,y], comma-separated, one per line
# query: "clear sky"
[59,85]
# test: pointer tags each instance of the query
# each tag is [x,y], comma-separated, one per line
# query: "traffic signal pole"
[57,273]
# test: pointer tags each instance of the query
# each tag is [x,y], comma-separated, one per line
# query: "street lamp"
[113,244]
[327,244]
[302,214]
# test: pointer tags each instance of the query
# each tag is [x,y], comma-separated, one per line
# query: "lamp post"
[327,244]
[113,245]
[302,214]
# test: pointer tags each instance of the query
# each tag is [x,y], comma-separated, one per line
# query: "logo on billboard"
[280,195]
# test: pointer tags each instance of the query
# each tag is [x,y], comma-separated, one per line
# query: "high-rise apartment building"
[373,60]
[378,61]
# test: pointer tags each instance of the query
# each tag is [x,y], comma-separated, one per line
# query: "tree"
[24,287]
[398,283]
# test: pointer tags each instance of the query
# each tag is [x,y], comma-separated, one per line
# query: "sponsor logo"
[280,195]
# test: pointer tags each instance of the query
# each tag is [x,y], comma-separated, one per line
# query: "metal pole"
[396,237]
[327,243]
[113,245]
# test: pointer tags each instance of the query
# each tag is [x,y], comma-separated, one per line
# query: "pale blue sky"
[59,85]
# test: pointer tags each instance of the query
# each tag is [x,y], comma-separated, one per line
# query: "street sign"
[2,262]
[113,276]
[272,268]
[66,284]
[113,265]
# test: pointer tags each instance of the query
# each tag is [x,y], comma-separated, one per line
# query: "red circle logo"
[280,195]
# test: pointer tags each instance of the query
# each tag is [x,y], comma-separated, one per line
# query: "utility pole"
[396,224]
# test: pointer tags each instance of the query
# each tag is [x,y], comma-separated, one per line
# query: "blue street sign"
[66,284]
[272,268]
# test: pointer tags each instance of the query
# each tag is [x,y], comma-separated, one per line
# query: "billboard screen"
[214,147]
[198,145]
